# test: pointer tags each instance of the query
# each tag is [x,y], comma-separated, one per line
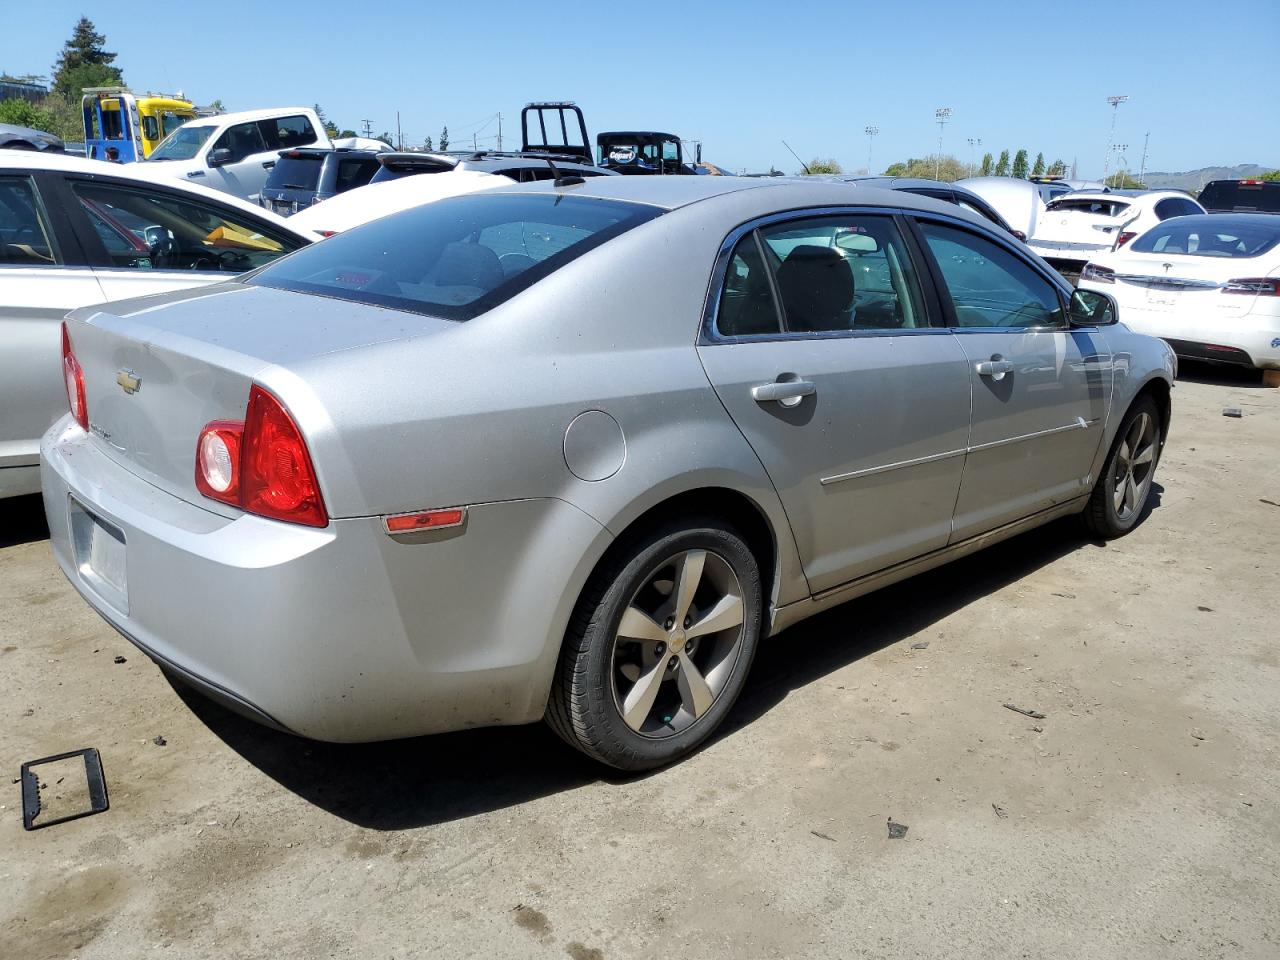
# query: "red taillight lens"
[1125,237]
[73,376]
[1098,274]
[1254,286]
[326,233]
[277,478]
[261,464]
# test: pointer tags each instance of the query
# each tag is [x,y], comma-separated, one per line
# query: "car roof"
[243,116]
[778,193]
[130,172]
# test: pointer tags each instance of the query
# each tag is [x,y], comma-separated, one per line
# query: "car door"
[1041,389]
[820,345]
[42,276]
[251,158]
[142,238]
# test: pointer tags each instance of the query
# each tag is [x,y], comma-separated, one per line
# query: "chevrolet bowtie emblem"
[129,381]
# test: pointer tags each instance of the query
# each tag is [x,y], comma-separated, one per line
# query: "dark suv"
[1241,196]
[307,175]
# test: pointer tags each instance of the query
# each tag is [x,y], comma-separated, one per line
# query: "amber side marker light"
[425,520]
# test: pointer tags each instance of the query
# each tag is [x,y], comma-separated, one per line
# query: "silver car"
[572,449]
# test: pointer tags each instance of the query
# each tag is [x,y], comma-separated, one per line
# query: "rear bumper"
[1250,339]
[338,633]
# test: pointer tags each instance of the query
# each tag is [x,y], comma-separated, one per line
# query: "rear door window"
[145,230]
[25,237]
[282,133]
[989,285]
[459,257]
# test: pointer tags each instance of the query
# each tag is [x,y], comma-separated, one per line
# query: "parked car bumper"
[340,633]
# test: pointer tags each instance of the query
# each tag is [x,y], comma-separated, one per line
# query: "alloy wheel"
[1135,461]
[677,643]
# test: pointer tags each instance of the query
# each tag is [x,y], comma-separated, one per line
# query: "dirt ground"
[1138,819]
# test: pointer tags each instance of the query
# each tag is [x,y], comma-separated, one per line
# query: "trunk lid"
[1071,224]
[1183,283]
[157,369]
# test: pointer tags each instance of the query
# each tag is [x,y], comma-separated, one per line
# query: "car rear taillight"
[1125,237]
[1098,274]
[260,464]
[1254,286]
[73,376]
[326,233]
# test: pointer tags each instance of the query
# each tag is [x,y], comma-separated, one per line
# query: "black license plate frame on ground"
[96,779]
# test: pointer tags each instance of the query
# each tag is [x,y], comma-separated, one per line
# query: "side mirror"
[219,157]
[1089,308]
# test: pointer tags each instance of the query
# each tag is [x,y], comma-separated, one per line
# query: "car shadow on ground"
[22,520]
[427,780]
[1220,374]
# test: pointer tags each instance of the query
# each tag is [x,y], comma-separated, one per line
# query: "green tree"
[85,48]
[444,139]
[1057,169]
[1020,164]
[988,164]
[343,134]
[945,168]
[53,114]
[427,146]
[1271,175]
[24,113]
[1002,166]
[217,106]
[1037,170]
[818,165]
[330,128]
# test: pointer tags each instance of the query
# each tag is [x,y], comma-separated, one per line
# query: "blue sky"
[740,77]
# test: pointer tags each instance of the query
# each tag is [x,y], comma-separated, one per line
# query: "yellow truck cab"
[132,125]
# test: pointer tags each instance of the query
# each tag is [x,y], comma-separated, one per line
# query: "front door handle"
[786,392]
[268,164]
[995,368]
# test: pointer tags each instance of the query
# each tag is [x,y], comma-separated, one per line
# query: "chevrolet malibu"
[571,450]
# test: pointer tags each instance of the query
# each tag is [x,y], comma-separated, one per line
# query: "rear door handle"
[995,368]
[786,392]
[268,164]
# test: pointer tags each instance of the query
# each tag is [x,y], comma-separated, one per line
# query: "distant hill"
[1193,180]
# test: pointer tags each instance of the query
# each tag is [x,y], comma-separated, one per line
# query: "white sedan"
[75,232]
[1074,228]
[1209,285]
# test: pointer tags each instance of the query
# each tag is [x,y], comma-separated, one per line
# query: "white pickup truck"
[234,152]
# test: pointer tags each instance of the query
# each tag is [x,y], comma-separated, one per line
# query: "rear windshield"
[1263,196]
[1105,208]
[296,173]
[1209,237]
[456,258]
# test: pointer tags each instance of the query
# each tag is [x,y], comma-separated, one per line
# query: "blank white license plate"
[100,555]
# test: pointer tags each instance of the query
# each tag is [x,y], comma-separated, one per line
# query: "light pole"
[972,142]
[942,115]
[1111,139]
[871,131]
[1120,149]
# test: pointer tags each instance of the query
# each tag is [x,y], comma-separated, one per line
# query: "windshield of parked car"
[459,257]
[183,144]
[1211,236]
[1105,208]
[296,173]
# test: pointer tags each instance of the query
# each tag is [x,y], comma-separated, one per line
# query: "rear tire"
[1121,491]
[659,646]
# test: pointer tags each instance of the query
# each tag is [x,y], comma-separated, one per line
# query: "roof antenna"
[797,156]
[563,181]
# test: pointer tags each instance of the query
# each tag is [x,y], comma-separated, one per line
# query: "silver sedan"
[570,450]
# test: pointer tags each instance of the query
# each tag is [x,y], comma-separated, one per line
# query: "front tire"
[1120,495]
[659,646]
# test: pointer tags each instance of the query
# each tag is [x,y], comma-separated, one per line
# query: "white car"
[1209,285]
[234,152]
[1018,201]
[76,232]
[1074,228]
[375,200]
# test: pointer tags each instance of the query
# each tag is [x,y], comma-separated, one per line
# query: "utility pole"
[871,130]
[499,132]
[1142,173]
[1111,139]
[399,135]
[942,115]
[368,127]
[972,142]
